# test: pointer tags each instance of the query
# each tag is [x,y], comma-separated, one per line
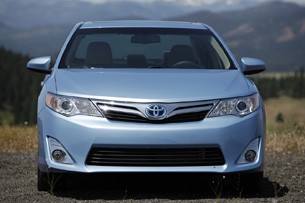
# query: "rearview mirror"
[41,64]
[252,65]
[145,39]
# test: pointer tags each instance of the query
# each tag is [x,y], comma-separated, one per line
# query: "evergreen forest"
[19,89]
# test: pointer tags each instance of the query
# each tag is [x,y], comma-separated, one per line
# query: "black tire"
[50,182]
[245,182]
[42,181]
[252,181]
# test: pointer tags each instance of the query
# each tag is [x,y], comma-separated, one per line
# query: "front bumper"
[78,134]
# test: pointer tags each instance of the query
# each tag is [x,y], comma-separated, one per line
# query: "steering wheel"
[186,64]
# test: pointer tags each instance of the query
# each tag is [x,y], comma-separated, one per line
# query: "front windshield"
[144,48]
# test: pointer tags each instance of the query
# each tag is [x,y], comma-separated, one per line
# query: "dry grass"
[18,139]
[287,136]
[287,139]
[293,111]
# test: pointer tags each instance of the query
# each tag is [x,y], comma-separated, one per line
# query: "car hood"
[151,85]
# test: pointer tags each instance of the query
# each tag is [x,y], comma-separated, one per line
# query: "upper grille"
[155,157]
[135,112]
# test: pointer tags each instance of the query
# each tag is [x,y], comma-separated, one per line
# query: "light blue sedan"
[148,96]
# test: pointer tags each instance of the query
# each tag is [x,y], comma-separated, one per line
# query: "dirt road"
[284,182]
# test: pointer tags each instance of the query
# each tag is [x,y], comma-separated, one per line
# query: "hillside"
[274,32]
[18,87]
[38,41]
[31,13]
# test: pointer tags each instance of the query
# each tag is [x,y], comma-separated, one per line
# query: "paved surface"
[284,181]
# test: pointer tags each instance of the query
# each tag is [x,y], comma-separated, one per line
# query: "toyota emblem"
[155,112]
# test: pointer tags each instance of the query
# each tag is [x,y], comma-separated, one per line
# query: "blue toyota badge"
[155,112]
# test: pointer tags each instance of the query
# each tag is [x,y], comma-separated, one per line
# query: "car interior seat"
[179,53]
[98,54]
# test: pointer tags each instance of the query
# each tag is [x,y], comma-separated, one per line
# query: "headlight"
[241,106]
[71,106]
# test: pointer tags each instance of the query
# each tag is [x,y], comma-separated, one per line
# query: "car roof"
[142,24]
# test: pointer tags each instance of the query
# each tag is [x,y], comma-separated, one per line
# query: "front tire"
[42,181]
[252,181]
[50,182]
[249,182]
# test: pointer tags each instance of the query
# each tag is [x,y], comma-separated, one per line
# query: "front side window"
[144,48]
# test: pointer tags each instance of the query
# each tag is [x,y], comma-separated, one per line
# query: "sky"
[196,2]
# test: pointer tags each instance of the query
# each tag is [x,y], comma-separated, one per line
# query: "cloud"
[189,2]
[192,2]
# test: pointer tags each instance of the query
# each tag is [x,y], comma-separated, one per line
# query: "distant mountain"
[37,41]
[274,32]
[30,13]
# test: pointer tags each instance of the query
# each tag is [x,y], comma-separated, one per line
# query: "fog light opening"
[58,152]
[250,155]
[58,155]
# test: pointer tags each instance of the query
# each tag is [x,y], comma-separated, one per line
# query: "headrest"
[180,53]
[98,54]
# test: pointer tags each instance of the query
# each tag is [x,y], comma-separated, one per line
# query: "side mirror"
[252,65]
[41,64]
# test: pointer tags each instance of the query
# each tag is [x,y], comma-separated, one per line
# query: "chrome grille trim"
[120,109]
[188,110]
[135,112]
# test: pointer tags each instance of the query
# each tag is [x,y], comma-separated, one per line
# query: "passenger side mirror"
[41,64]
[252,65]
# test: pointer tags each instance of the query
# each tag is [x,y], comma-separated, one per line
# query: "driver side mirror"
[41,64]
[252,65]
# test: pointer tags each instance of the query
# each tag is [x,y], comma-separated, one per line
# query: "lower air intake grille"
[155,157]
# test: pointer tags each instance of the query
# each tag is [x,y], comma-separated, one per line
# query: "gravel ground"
[284,181]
